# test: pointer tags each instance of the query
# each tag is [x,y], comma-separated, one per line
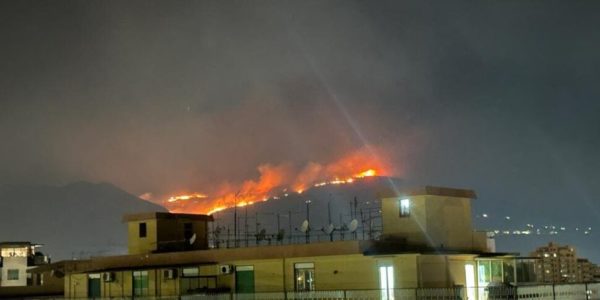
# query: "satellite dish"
[192,239]
[329,229]
[304,227]
[353,225]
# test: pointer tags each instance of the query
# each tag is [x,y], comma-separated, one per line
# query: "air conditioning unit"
[225,269]
[170,274]
[108,276]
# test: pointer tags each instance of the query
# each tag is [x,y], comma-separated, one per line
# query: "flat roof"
[164,216]
[206,257]
[18,244]
[224,255]
[430,190]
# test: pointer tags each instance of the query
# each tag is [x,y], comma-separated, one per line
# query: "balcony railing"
[584,291]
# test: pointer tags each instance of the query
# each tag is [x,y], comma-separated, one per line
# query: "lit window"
[404,208]
[386,282]
[305,276]
[12,274]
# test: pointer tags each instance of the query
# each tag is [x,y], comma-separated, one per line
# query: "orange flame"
[275,178]
[186,197]
[367,173]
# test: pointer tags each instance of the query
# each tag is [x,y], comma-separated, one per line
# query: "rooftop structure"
[427,241]
[15,259]
[163,232]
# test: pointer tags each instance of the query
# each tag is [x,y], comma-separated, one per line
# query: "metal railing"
[583,291]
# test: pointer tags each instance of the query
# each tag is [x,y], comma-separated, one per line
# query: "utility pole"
[235,231]
[278,228]
[307,234]
[290,226]
[256,228]
[246,224]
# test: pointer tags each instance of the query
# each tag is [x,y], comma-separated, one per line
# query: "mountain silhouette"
[77,220]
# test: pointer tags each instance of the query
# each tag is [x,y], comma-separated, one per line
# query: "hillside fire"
[277,181]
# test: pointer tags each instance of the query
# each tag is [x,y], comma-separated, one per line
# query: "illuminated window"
[386,282]
[470,276]
[12,274]
[142,230]
[305,276]
[404,208]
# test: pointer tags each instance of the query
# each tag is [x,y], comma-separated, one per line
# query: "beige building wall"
[120,287]
[76,285]
[138,245]
[335,272]
[161,229]
[434,221]
[172,230]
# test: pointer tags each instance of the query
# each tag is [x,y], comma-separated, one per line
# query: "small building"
[15,259]
[433,217]
[427,242]
[166,232]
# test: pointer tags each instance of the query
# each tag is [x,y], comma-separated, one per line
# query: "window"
[188,230]
[190,272]
[470,281]
[142,230]
[305,276]
[140,283]
[12,274]
[386,282]
[14,252]
[404,208]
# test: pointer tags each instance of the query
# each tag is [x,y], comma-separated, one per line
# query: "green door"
[244,279]
[94,287]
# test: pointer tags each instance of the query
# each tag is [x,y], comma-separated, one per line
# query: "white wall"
[19,263]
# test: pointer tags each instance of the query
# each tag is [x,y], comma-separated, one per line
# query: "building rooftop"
[212,256]
[430,190]
[164,216]
[18,244]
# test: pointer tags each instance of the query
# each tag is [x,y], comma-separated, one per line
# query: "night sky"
[161,96]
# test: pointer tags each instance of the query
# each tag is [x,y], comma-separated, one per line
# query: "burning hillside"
[282,179]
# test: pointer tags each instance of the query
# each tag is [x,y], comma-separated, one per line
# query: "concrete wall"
[435,221]
[333,272]
[336,272]
[164,230]
[173,230]
[76,285]
[410,227]
[137,245]
[14,263]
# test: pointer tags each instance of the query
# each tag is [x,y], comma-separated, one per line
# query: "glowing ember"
[186,197]
[367,173]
